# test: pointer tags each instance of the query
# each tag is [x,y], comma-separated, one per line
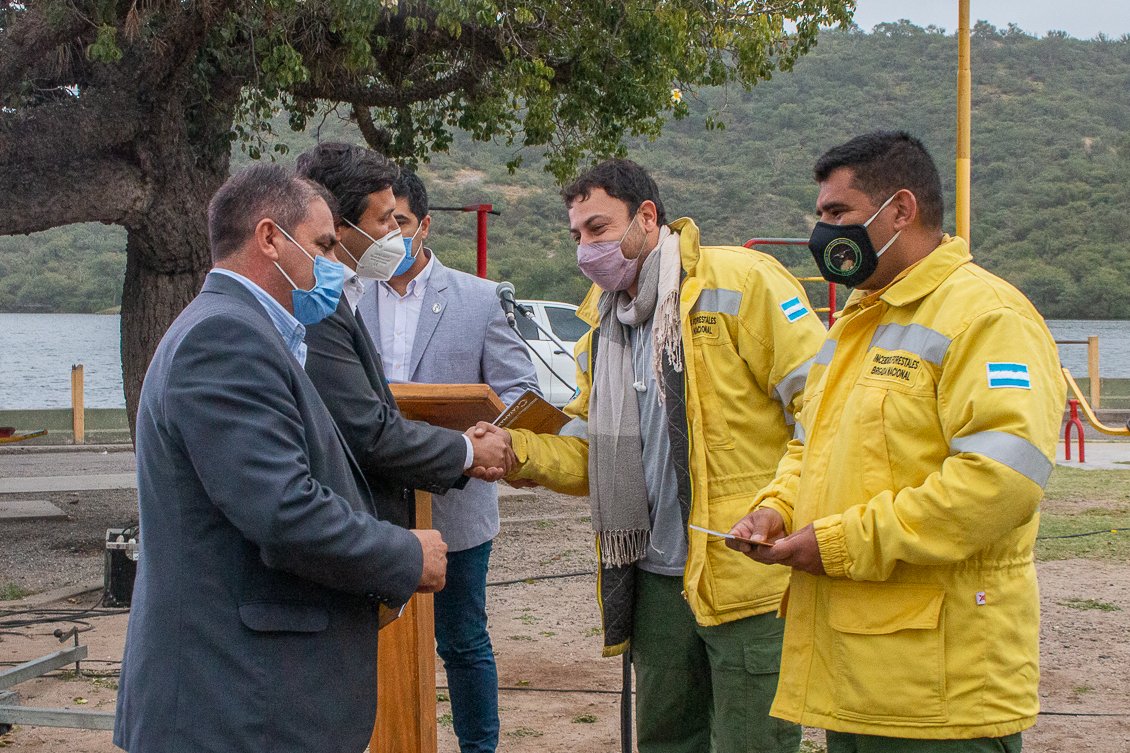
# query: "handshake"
[493,458]
[493,454]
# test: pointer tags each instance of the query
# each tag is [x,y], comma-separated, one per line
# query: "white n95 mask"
[380,260]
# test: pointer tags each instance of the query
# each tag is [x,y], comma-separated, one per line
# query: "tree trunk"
[151,300]
[167,254]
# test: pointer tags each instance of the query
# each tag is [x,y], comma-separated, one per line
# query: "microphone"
[505,293]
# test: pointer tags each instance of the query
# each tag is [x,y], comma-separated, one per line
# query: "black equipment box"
[120,566]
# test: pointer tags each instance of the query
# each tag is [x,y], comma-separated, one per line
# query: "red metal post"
[831,303]
[1073,420]
[481,211]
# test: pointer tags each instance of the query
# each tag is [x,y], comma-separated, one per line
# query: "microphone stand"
[529,314]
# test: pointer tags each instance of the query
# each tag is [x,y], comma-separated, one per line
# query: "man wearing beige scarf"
[688,382]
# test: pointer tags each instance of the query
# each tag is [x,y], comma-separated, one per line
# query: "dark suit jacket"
[394,452]
[253,625]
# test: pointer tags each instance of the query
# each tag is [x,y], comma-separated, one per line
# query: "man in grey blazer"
[439,325]
[262,564]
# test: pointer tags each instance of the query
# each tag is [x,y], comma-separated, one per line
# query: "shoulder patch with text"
[1008,374]
[794,309]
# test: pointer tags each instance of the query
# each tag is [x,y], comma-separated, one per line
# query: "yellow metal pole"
[78,410]
[964,115]
[1093,369]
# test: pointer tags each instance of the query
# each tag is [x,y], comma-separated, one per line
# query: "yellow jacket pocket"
[888,651]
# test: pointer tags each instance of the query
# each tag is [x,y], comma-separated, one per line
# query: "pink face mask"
[603,262]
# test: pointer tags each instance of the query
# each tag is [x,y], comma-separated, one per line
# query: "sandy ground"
[558,694]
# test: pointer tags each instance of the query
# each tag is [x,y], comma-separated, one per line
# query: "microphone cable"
[541,358]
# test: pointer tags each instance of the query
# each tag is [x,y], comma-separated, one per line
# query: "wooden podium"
[406,669]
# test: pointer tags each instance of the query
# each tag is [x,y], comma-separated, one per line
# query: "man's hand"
[493,455]
[434,574]
[799,551]
[763,524]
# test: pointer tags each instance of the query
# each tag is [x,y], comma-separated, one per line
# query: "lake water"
[37,351]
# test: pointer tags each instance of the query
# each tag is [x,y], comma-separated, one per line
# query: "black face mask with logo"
[844,253]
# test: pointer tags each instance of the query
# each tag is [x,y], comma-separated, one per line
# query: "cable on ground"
[1079,535]
[532,578]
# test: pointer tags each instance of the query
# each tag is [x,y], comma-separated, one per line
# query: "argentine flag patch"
[794,309]
[1008,375]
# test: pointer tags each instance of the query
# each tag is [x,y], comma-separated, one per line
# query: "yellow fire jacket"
[749,337]
[927,434]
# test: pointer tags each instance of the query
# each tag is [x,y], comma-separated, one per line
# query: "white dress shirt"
[292,331]
[353,289]
[399,316]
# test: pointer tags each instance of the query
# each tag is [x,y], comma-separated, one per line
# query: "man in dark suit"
[396,454]
[262,563]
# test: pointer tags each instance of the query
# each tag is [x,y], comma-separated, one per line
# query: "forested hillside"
[1051,171]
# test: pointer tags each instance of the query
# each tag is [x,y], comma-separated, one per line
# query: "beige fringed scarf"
[616,477]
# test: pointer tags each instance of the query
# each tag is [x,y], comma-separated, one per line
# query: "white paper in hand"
[729,536]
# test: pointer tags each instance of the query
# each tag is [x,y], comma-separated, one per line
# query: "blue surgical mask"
[313,305]
[409,257]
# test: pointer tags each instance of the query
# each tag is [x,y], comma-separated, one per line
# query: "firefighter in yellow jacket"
[688,383]
[907,505]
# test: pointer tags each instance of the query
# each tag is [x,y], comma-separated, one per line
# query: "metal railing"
[1092,343]
[830,309]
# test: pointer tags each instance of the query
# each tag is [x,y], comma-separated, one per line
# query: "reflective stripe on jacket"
[928,432]
[749,336]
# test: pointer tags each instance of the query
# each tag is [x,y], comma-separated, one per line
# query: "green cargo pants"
[703,689]
[842,742]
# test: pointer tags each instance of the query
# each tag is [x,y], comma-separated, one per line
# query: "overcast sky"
[1079,18]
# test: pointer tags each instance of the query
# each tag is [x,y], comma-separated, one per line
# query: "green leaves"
[284,66]
[572,78]
[105,48]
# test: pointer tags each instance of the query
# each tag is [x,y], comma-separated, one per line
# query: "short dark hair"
[326,196]
[621,179]
[409,186]
[263,191]
[884,162]
[350,172]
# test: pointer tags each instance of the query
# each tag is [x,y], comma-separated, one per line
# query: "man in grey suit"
[396,454]
[262,564]
[439,325]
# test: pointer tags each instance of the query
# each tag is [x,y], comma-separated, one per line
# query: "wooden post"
[964,107]
[406,674]
[78,411]
[406,651]
[1093,369]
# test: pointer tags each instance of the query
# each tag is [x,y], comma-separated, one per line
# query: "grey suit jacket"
[394,453]
[253,623]
[462,338]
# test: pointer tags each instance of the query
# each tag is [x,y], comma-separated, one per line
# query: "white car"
[560,319]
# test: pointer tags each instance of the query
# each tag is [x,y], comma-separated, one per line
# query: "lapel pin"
[435,308]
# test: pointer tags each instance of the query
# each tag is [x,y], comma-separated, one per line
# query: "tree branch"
[90,189]
[376,137]
[378,94]
[406,60]
[30,37]
[60,133]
